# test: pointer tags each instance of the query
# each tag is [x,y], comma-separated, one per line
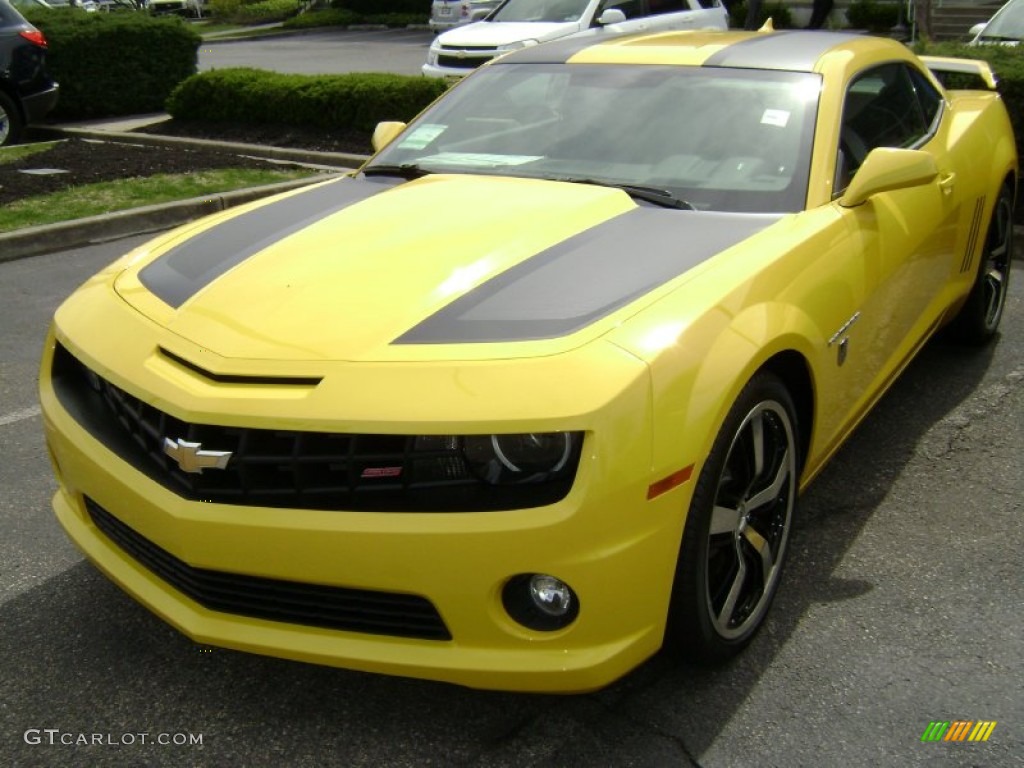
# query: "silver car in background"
[445,14]
[524,23]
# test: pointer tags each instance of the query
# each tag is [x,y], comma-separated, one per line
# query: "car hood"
[495,33]
[382,269]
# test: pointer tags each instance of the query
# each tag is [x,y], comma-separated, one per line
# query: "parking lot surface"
[402,51]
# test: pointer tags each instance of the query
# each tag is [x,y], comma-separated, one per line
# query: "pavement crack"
[950,433]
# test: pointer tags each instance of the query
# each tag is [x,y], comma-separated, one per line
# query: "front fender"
[701,367]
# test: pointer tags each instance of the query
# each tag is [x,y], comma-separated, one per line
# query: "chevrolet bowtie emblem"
[191,457]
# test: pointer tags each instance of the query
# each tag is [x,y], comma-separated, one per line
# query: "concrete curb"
[32,241]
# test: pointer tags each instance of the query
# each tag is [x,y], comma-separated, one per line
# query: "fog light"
[550,595]
[539,601]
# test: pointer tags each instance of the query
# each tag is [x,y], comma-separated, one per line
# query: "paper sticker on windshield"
[776,117]
[423,135]
[479,160]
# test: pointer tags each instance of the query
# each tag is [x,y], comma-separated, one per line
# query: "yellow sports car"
[533,393]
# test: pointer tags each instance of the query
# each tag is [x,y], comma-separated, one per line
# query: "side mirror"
[611,16]
[385,133]
[886,169]
[976,29]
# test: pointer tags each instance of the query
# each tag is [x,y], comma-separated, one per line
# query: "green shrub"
[374,7]
[391,13]
[115,63]
[779,13]
[334,102]
[266,11]
[222,9]
[332,17]
[874,16]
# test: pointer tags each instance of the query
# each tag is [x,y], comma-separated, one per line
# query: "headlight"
[531,457]
[515,46]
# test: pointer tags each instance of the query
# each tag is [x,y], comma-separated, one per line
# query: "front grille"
[293,469]
[313,605]
[454,62]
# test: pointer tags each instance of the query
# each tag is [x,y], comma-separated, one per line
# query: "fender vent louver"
[972,237]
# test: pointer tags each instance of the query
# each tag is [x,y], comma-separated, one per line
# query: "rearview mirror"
[886,169]
[385,133]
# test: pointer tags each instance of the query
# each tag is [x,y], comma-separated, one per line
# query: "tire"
[734,541]
[10,121]
[978,320]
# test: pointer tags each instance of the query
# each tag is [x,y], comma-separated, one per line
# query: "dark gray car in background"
[27,92]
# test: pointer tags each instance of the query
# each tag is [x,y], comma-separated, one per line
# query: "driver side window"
[881,109]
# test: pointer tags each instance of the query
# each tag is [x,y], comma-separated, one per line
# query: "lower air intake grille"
[313,605]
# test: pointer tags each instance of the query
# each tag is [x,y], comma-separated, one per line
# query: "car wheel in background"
[10,121]
[978,319]
[740,516]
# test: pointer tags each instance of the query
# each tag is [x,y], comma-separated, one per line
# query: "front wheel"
[978,319]
[734,542]
[10,121]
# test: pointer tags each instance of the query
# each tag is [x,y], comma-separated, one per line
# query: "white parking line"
[15,416]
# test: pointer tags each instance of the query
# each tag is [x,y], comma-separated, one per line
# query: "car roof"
[788,50]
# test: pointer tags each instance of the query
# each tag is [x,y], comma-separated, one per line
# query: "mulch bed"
[351,142]
[87,161]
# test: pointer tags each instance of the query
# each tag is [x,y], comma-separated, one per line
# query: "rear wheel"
[10,121]
[979,317]
[734,543]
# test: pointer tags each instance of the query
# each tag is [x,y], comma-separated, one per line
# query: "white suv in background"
[445,14]
[522,23]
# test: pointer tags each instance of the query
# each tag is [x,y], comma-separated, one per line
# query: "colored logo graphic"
[958,730]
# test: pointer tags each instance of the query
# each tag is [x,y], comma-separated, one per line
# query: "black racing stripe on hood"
[186,269]
[586,277]
[794,51]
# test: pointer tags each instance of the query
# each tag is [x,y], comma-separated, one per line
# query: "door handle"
[946,183]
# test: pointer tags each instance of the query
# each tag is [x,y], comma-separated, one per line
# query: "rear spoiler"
[940,64]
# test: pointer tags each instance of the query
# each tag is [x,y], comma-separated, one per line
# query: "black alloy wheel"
[734,543]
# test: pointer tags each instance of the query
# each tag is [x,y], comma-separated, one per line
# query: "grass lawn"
[110,196]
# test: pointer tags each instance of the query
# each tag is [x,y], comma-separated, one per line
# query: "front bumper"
[613,546]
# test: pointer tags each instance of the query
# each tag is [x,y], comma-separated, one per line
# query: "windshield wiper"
[661,197]
[405,170]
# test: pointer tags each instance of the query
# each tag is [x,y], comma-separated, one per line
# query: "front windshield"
[541,10]
[720,139]
[1008,24]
